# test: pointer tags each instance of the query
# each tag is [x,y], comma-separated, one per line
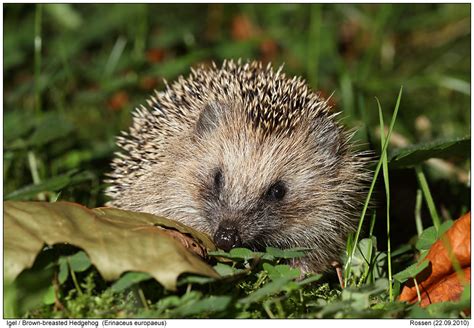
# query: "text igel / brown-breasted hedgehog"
[247,155]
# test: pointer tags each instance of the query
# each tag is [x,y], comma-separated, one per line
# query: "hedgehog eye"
[218,180]
[276,192]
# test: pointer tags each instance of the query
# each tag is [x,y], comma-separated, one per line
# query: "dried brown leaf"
[116,241]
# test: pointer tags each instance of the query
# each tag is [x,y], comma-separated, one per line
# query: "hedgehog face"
[254,187]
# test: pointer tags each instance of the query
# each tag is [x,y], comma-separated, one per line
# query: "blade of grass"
[266,307]
[378,29]
[417,290]
[141,32]
[33,168]
[115,55]
[74,278]
[372,224]
[369,262]
[419,223]
[349,246]
[427,195]
[387,193]
[142,298]
[371,189]
[33,164]
[37,46]
[313,45]
[347,94]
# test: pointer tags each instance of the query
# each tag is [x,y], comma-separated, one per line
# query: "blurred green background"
[73,74]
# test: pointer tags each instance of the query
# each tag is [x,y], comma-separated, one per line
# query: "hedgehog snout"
[227,236]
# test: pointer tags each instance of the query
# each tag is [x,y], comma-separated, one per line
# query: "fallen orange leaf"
[438,277]
[447,289]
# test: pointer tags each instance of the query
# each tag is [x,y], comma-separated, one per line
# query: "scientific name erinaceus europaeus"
[247,155]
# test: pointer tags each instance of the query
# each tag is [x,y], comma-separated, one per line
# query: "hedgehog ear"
[329,137]
[209,118]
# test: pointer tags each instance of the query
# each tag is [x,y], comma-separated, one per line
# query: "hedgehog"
[247,155]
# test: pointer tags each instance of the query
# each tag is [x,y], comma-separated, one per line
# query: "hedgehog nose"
[227,237]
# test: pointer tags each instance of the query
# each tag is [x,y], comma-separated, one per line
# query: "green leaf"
[416,154]
[79,262]
[48,296]
[427,238]
[29,290]
[269,289]
[210,304]
[287,253]
[193,279]
[237,254]
[171,301]
[51,128]
[10,295]
[445,227]
[129,279]
[419,313]
[281,271]
[359,301]
[411,271]
[47,128]
[310,279]
[53,184]
[225,270]
[360,297]
[63,270]
[363,255]
[242,254]
[330,310]
[16,124]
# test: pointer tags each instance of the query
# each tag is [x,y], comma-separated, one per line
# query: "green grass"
[380,162]
[428,198]
[68,96]
[386,180]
